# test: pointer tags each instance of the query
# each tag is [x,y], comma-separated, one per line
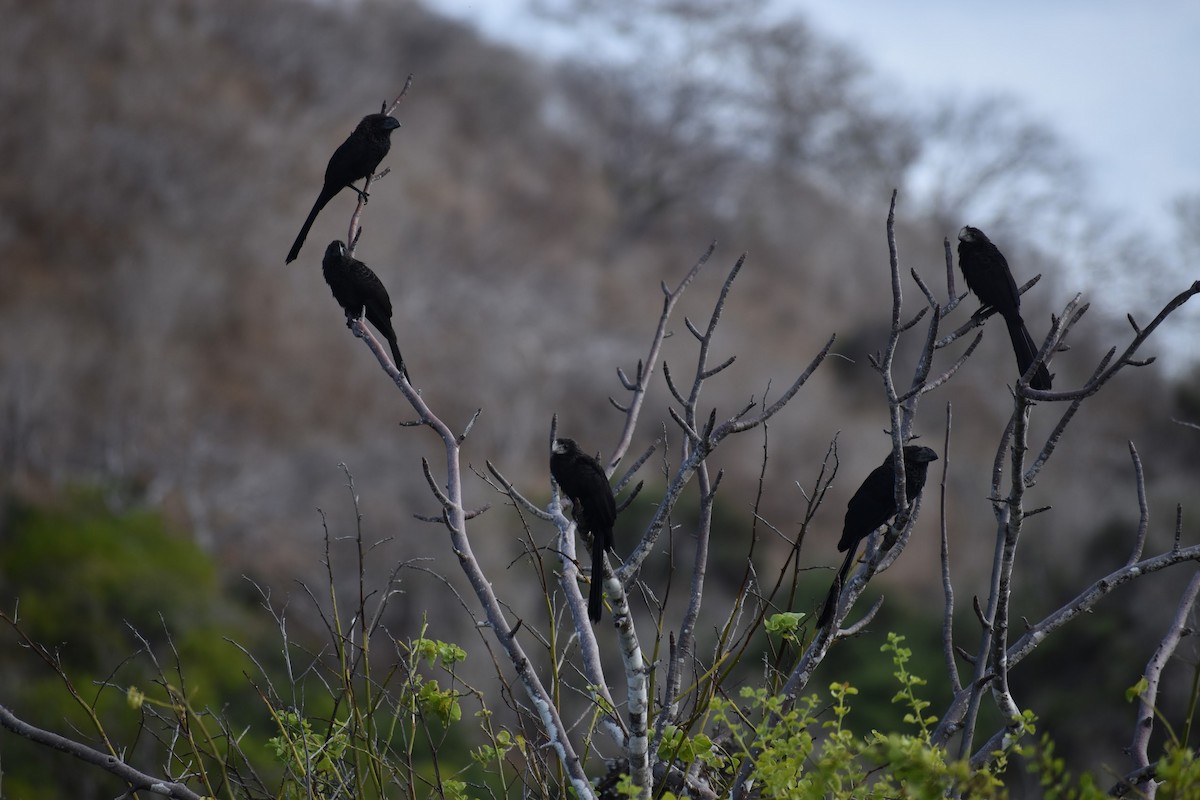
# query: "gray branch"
[139,781]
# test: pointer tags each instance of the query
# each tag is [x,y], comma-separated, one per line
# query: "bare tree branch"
[947,585]
[1139,748]
[138,781]
[646,367]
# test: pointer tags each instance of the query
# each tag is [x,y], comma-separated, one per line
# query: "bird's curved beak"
[391,123]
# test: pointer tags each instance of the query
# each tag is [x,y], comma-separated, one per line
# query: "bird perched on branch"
[582,480]
[988,276]
[357,289]
[873,505]
[355,159]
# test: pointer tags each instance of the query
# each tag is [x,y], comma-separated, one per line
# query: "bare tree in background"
[811,105]
[1186,210]
[989,160]
[692,87]
[649,137]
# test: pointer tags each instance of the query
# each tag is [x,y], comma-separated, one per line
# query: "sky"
[1116,79]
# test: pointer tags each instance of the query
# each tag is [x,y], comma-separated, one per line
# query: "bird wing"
[870,507]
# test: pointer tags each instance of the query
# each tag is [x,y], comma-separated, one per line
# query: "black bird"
[357,288]
[582,480]
[873,505]
[988,276]
[355,158]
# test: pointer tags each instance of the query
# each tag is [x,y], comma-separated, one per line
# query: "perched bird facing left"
[582,480]
[358,289]
[355,159]
[987,274]
[871,506]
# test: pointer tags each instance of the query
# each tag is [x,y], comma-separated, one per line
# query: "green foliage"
[434,652]
[384,740]
[876,677]
[676,745]
[399,732]
[315,757]
[105,585]
[785,625]
[1179,770]
[81,571]
[908,683]
[104,589]
[807,749]
[501,744]
[795,765]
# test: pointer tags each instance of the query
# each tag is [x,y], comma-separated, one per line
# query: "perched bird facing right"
[873,505]
[357,289]
[355,159]
[987,275]
[582,480]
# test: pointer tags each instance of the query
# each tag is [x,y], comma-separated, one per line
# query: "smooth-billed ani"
[357,289]
[988,276]
[355,159]
[582,480]
[873,505]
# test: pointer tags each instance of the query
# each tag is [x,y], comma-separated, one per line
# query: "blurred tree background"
[155,349]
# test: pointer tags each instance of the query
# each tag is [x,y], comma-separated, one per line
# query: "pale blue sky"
[1116,79]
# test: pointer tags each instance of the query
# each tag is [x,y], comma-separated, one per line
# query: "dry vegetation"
[160,155]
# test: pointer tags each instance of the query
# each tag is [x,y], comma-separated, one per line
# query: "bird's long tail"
[596,594]
[322,200]
[1026,351]
[399,359]
[835,590]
